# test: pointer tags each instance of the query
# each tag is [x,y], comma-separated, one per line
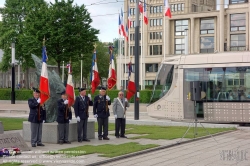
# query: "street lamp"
[63,73]
[13,73]
[81,70]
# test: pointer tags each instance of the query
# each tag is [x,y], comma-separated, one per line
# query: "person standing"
[101,112]
[64,116]
[81,107]
[119,110]
[37,117]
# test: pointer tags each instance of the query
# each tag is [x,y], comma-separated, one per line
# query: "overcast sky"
[108,25]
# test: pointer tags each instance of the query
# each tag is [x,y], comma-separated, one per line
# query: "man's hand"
[43,121]
[38,100]
[115,116]
[126,100]
[69,120]
[95,116]
[89,95]
[78,119]
[107,97]
[66,102]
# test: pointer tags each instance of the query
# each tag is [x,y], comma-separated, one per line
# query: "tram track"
[115,159]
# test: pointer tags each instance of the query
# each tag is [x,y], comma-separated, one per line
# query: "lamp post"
[81,70]
[63,73]
[13,73]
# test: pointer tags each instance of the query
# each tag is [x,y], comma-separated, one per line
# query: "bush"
[24,94]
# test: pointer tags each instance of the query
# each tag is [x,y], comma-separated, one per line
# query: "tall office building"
[211,26]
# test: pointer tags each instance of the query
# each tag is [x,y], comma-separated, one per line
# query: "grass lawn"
[10,164]
[165,132]
[12,123]
[106,150]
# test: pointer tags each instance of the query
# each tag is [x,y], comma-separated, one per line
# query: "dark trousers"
[82,129]
[63,129]
[120,125]
[103,126]
[36,133]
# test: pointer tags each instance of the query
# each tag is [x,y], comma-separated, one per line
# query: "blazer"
[118,109]
[82,107]
[100,107]
[62,115]
[34,109]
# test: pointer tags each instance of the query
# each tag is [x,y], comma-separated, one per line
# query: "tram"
[224,82]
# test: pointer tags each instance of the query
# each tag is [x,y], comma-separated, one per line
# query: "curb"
[154,149]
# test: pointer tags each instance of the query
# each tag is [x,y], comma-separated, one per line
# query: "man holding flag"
[131,82]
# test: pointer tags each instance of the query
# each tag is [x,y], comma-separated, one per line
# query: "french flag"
[122,25]
[131,90]
[129,19]
[70,87]
[95,79]
[145,14]
[112,72]
[119,25]
[167,9]
[140,7]
[44,79]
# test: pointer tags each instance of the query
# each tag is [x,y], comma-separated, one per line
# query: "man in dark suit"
[81,107]
[101,112]
[64,116]
[37,117]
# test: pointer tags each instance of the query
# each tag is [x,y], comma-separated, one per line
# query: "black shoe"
[87,140]
[33,145]
[124,136]
[105,138]
[40,144]
[60,142]
[80,141]
[66,142]
[100,138]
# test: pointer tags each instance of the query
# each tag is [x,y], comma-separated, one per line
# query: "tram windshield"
[163,82]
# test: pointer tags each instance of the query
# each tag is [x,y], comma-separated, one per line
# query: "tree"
[11,30]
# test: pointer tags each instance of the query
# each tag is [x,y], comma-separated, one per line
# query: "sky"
[108,25]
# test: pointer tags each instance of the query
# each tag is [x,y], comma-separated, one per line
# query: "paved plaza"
[232,148]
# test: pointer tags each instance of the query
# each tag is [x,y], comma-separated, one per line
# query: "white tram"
[224,80]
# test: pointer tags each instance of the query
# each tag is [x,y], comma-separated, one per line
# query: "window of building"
[180,26]
[132,37]
[155,49]
[155,35]
[132,11]
[182,6]
[152,67]
[156,22]
[207,44]
[179,46]
[194,8]
[237,1]
[179,7]
[238,22]
[207,26]
[238,42]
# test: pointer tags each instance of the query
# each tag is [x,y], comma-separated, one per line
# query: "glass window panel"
[175,7]
[179,7]
[236,82]
[179,41]
[151,50]
[160,9]
[155,49]
[178,33]
[182,6]
[242,28]
[210,31]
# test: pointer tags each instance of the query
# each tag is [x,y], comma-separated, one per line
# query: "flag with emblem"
[131,90]
[95,79]
[112,72]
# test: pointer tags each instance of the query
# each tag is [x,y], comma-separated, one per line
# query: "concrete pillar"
[192,31]
[221,27]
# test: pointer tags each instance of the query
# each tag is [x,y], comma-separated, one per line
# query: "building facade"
[213,27]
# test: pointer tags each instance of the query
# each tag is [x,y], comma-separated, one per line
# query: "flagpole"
[128,55]
[164,37]
[142,23]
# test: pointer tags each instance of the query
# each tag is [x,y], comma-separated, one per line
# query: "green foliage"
[23,94]
[169,132]
[106,150]
[12,123]
[10,164]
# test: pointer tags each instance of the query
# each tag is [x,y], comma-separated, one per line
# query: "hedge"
[24,94]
